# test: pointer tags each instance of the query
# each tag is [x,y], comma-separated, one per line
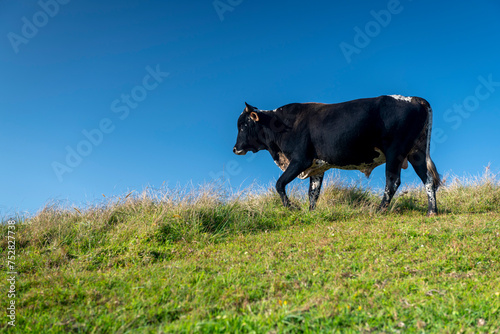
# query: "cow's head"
[250,131]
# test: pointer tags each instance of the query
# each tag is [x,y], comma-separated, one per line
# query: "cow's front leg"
[393,180]
[294,169]
[314,189]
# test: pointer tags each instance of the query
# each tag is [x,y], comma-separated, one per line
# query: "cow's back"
[353,132]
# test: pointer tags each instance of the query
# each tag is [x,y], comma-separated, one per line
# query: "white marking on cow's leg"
[314,189]
[390,189]
[393,180]
[431,194]
[402,98]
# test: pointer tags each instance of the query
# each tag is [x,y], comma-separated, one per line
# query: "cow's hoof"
[293,207]
[432,214]
[382,208]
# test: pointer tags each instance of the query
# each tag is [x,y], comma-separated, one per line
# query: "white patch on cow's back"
[269,111]
[401,97]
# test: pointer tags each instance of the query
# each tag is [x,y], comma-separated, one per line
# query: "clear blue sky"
[165,81]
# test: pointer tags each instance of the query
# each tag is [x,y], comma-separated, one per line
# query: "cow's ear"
[249,108]
[254,116]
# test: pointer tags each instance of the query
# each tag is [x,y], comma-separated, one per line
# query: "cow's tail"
[431,167]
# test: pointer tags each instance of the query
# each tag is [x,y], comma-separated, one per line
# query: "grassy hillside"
[206,262]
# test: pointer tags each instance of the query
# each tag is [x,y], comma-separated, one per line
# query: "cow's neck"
[272,131]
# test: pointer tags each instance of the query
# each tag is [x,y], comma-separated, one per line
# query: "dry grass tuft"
[169,215]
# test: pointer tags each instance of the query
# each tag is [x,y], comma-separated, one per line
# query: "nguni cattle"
[306,139]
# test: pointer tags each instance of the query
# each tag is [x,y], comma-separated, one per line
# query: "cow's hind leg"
[314,189]
[425,169]
[392,181]
[293,170]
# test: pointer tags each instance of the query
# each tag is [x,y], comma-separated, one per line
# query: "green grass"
[206,262]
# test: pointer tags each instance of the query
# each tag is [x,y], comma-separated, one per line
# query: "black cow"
[306,139]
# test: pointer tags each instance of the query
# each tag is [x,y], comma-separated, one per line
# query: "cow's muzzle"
[239,152]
